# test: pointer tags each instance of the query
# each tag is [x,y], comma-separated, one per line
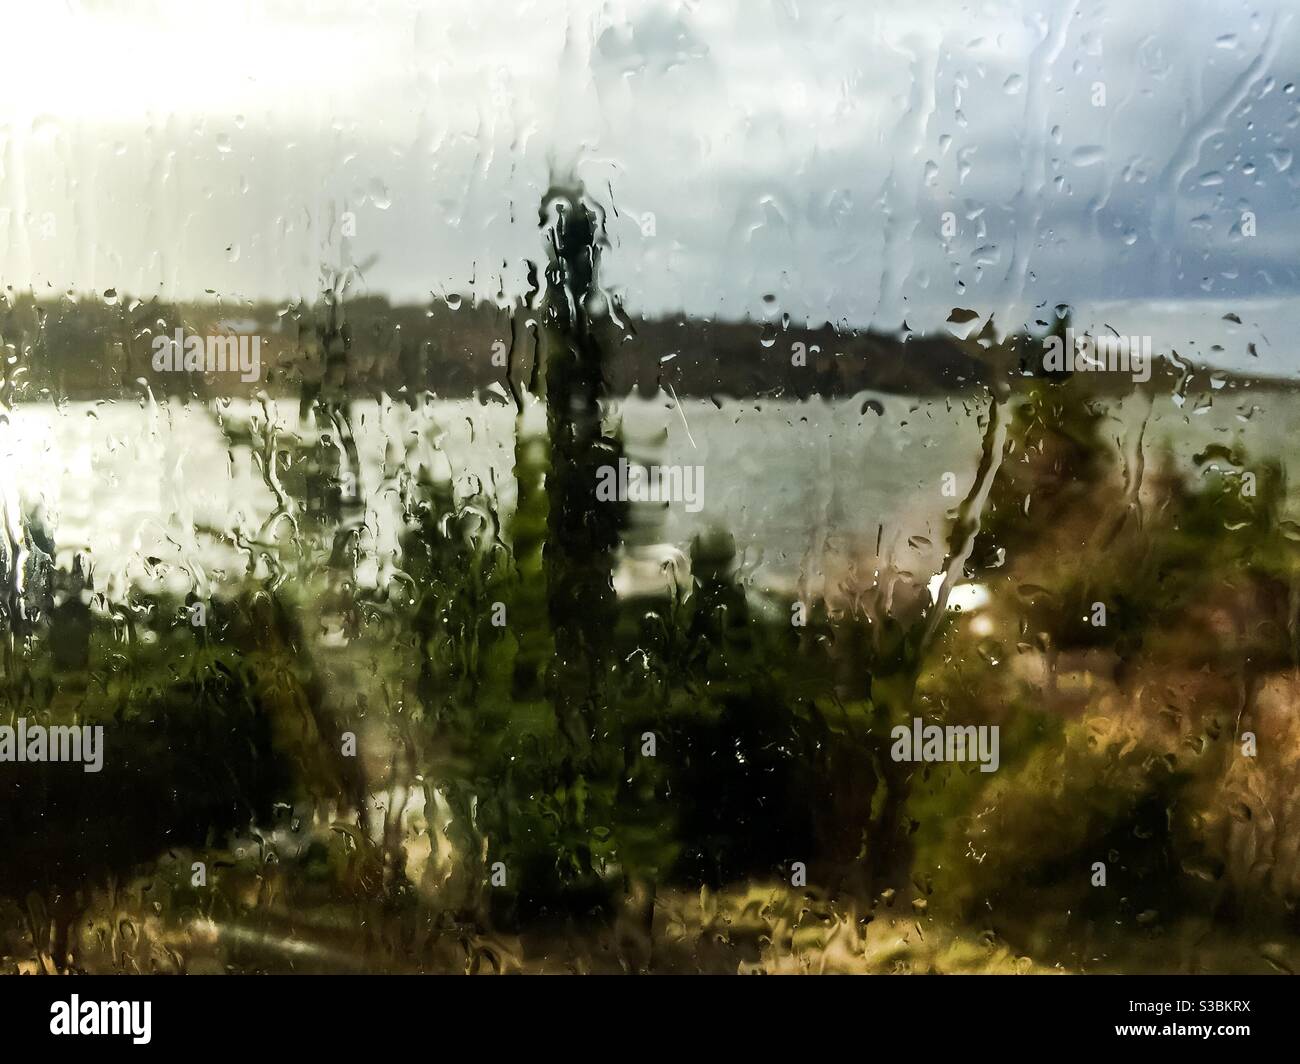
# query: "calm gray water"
[806,488]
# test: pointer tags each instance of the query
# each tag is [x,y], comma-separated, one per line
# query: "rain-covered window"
[649,486]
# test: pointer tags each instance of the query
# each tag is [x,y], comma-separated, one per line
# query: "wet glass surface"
[649,486]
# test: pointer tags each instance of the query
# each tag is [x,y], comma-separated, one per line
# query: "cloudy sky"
[859,162]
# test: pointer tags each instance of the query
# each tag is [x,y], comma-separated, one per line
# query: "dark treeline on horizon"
[90,347]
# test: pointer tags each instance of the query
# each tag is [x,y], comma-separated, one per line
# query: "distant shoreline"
[88,348]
